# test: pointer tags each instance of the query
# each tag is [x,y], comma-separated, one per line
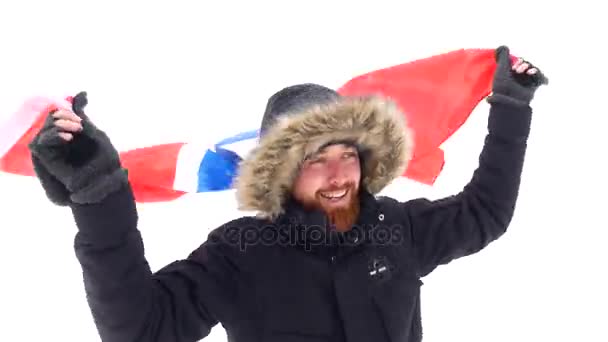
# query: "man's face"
[329,180]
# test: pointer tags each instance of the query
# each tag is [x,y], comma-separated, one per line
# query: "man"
[324,259]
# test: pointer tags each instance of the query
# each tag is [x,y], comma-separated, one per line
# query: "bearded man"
[319,165]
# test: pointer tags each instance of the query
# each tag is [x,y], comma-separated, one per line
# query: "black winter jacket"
[358,287]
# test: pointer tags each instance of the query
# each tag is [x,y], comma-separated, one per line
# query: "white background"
[183,71]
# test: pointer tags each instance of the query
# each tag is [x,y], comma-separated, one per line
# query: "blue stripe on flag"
[218,168]
[239,137]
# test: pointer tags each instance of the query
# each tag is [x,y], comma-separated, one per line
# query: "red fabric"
[17,160]
[437,95]
[152,180]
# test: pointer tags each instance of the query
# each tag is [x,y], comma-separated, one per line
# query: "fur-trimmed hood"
[375,125]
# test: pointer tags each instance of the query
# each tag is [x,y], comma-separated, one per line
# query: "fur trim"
[374,124]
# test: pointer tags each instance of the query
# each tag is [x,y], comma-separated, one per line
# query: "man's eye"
[313,160]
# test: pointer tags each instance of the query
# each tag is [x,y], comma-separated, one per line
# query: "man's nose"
[335,170]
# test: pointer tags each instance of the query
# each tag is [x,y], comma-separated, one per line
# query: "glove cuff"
[101,188]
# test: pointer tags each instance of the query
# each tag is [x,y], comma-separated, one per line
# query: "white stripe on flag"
[186,170]
[191,155]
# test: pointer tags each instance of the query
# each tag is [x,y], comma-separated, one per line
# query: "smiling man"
[320,162]
[329,181]
[329,164]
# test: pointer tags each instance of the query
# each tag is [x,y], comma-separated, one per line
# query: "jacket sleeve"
[463,224]
[180,302]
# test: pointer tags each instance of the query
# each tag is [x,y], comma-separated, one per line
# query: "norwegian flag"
[437,94]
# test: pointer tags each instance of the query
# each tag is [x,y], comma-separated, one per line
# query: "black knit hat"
[294,99]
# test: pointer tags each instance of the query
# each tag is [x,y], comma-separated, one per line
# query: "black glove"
[54,189]
[511,87]
[83,170]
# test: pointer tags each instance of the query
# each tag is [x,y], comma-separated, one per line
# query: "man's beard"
[344,218]
[341,218]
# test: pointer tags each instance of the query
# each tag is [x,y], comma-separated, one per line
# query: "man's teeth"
[334,194]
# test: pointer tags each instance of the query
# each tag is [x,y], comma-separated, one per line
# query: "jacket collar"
[309,230]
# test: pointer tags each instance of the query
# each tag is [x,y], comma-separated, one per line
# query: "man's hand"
[66,123]
[74,160]
[58,129]
[517,82]
[522,66]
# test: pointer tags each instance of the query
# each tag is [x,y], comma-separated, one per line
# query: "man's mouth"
[334,195]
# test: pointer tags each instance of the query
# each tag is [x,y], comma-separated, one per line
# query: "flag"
[437,94]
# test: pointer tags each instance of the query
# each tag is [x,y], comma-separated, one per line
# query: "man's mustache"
[346,186]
